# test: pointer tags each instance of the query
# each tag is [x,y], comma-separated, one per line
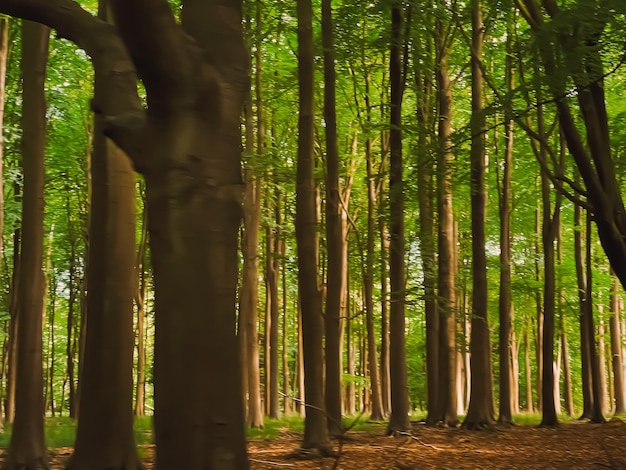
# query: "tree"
[446,280]
[399,418]
[104,437]
[335,285]
[480,412]
[27,449]
[187,144]
[315,426]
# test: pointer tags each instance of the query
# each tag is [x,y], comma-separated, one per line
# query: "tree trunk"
[315,426]
[596,387]
[13,322]
[568,396]
[425,195]
[368,274]
[602,363]
[581,279]
[249,293]
[27,449]
[616,352]
[399,418]
[550,223]
[505,306]
[334,236]
[447,401]
[528,373]
[140,301]
[480,412]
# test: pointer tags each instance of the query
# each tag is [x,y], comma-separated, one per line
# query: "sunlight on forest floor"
[571,445]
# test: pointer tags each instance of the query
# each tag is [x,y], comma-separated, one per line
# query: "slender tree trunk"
[27,449]
[480,412]
[350,405]
[581,278]
[368,275]
[315,426]
[616,351]
[447,401]
[602,363]
[13,323]
[528,372]
[568,396]
[399,418]
[249,293]
[596,388]
[335,285]
[505,306]
[385,380]
[550,223]
[140,301]
[426,195]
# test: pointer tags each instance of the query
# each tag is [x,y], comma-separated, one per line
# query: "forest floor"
[568,446]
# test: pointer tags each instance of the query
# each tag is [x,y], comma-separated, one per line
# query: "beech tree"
[27,449]
[186,142]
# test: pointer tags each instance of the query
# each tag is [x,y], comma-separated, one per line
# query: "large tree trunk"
[315,426]
[193,186]
[27,449]
[104,437]
[480,412]
[334,235]
[447,401]
[399,418]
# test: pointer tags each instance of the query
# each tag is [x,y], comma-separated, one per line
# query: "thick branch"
[160,50]
[101,41]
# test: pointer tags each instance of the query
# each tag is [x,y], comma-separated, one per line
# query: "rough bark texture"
[315,426]
[27,449]
[399,418]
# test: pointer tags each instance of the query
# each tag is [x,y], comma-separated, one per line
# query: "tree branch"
[160,50]
[121,106]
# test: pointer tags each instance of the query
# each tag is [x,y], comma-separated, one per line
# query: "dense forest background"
[463,163]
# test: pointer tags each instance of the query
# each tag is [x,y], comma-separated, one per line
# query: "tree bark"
[447,401]
[27,449]
[368,274]
[315,426]
[399,418]
[425,195]
[616,352]
[480,412]
[505,306]
[335,285]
